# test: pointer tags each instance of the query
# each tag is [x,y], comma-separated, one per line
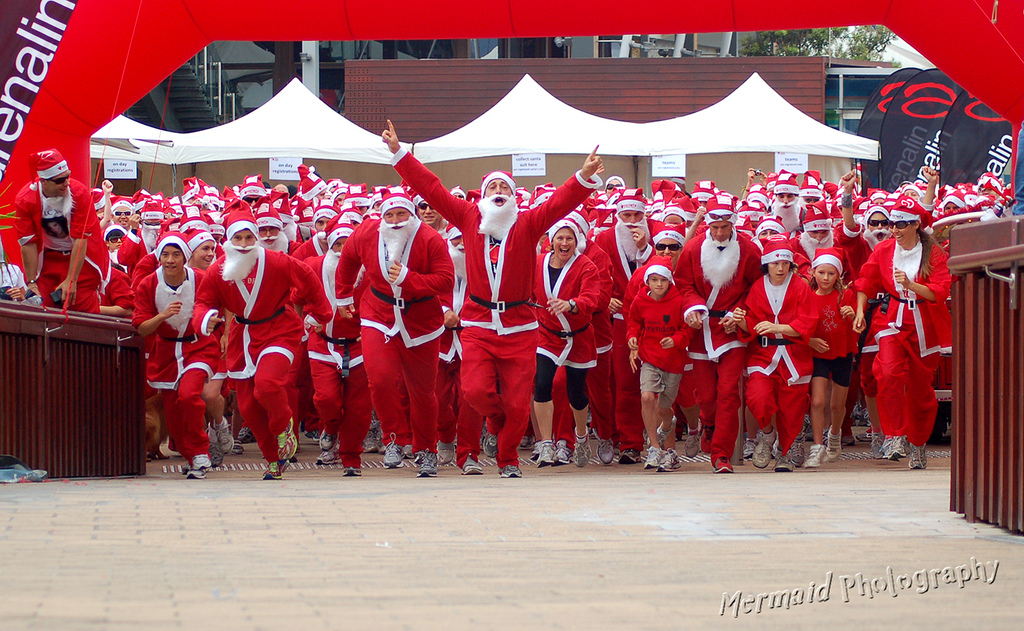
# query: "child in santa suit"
[340,390]
[777,318]
[911,269]
[181,358]
[658,335]
[259,287]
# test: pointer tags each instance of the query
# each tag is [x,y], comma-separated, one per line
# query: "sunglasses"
[423,206]
[122,213]
[879,223]
[60,180]
[115,238]
[675,247]
[900,225]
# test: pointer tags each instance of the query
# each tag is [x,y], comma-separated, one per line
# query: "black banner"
[30,31]
[911,137]
[979,141]
[871,119]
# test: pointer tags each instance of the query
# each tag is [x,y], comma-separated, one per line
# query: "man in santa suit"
[817,234]
[271,225]
[258,286]
[787,206]
[628,246]
[499,341]
[62,246]
[341,391]
[407,269]
[317,243]
[714,274]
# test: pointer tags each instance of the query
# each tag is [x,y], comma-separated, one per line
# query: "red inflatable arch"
[113,53]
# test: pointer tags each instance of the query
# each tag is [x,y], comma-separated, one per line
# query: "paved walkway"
[560,549]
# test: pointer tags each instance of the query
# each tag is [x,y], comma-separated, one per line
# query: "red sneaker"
[722,465]
[707,433]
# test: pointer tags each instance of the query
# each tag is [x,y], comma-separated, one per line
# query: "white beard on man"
[277,243]
[396,236]
[331,259]
[790,214]
[874,237]
[719,260]
[497,216]
[238,262]
[811,245]
[458,254]
[624,237]
[149,235]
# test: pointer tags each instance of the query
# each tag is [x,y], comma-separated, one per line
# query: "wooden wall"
[429,98]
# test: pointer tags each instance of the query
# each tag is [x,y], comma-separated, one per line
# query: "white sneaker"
[835,447]
[200,465]
[605,451]
[918,457]
[692,445]
[748,448]
[877,440]
[563,455]
[763,450]
[669,460]
[653,458]
[471,467]
[445,453]
[813,461]
[222,431]
[798,453]
[581,453]
[545,453]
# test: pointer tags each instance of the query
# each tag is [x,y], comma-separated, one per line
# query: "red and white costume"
[568,339]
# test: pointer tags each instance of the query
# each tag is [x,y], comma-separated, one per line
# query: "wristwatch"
[572,306]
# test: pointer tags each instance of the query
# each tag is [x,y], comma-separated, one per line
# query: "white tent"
[754,118]
[530,120]
[126,139]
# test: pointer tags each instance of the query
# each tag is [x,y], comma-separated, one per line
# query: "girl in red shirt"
[833,344]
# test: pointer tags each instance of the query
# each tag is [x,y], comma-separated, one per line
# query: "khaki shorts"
[666,384]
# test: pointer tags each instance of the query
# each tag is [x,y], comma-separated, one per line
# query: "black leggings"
[575,383]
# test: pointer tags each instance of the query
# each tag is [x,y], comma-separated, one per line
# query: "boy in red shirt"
[658,335]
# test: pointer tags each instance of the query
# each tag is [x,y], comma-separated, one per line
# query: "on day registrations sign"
[286,169]
[120,169]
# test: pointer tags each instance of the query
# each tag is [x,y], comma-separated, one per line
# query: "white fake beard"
[624,238]
[811,245]
[149,236]
[719,266]
[238,262]
[277,244]
[331,260]
[290,229]
[789,214]
[495,220]
[458,255]
[395,239]
[874,237]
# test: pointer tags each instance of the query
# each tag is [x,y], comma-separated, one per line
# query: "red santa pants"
[602,398]
[301,394]
[718,395]
[263,402]
[868,383]
[770,395]
[628,419]
[497,378]
[55,270]
[185,413]
[447,389]
[465,424]
[906,399]
[344,407]
[391,369]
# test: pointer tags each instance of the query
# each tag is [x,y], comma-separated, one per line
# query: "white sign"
[668,166]
[792,162]
[529,164]
[285,169]
[120,169]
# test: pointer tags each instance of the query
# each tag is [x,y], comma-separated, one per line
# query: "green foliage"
[859,42]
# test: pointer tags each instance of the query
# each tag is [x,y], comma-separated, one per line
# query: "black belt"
[717,313]
[344,342]
[771,341]
[401,303]
[68,253]
[187,338]
[567,334]
[239,319]
[501,306]
[912,303]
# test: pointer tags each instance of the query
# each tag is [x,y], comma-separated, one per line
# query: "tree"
[859,42]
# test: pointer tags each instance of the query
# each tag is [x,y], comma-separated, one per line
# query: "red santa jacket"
[714,301]
[410,308]
[636,286]
[309,249]
[602,322]
[836,330]
[621,271]
[791,356]
[338,343]
[854,247]
[652,320]
[264,320]
[118,291]
[451,345]
[908,315]
[176,345]
[578,281]
[510,281]
[57,231]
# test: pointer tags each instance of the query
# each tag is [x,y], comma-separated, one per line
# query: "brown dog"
[156,427]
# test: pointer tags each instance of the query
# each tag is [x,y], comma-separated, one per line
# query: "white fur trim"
[660,270]
[54,171]
[828,259]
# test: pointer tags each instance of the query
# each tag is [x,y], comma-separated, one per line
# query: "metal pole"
[311,66]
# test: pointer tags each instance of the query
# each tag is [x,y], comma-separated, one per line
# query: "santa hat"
[252,186]
[358,195]
[777,248]
[786,183]
[310,184]
[565,223]
[770,223]
[704,190]
[988,181]
[396,197]
[811,186]
[324,211]
[631,200]
[757,194]
[124,203]
[239,219]
[97,198]
[49,164]
[452,233]
[153,210]
[112,228]
[542,194]
[686,205]
[817,217]
[195,238]
[907,208]
[720,208]
[615,181]
[194,188]
[139,199]
[498,175]
[660,270]
[267,216]
[337,230]
[748,210]
[675,209]
[217,230]
[581,222]
[173,238]
[954,197]
[828,256]
[458,192]
[193,218]
[669,235]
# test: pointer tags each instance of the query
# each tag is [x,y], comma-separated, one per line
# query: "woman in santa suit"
[571,294]
[911,269]
[777,319]
[181,359]
[259,287]
[407,269]
[340,390]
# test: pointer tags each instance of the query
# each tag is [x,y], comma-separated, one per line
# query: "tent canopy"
[754,118]
[126,139]
[530,120]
